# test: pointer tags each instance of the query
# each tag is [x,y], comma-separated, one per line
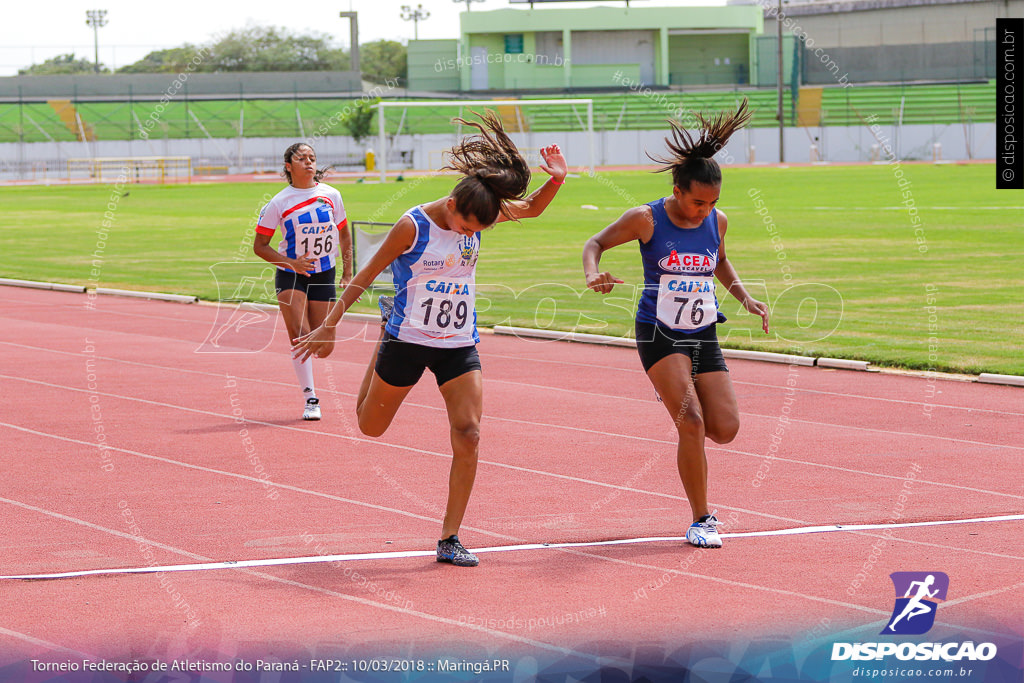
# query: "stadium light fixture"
[96,18]
[415,16]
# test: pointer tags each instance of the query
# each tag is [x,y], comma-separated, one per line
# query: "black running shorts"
[401,364]
[654,342]
[316,287]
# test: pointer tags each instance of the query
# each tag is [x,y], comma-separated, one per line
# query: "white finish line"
[241,564]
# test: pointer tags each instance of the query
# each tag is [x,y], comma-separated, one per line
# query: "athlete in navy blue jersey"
[682,245]
[431,324]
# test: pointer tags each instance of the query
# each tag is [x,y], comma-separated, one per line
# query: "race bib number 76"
[686,302]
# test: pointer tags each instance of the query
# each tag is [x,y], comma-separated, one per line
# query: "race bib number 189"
[687,302]
[442,307]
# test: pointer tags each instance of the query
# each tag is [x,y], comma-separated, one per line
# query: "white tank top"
[435,287]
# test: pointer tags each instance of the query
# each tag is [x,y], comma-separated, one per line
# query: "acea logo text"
[918,595]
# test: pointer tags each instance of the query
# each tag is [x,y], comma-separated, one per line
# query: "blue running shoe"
[451,550]
[386,305]
[704,533]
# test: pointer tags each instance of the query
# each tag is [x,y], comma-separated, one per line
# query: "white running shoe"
[386,304]
[704,533]
[312,411]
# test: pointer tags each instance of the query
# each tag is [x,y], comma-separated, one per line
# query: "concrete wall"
[877,23]
[433,65]
[936,61]
[892,40]
[837,144]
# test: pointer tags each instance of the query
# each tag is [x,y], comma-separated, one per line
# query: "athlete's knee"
[467,433]
[372,429]
[689,421]
[368,425]
[724,431]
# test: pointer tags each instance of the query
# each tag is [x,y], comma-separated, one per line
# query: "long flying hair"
[691,159]
[494,171]
[290,152]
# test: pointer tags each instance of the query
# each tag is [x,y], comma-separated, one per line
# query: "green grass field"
[848,275]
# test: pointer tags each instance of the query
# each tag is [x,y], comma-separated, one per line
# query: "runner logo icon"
[917,598]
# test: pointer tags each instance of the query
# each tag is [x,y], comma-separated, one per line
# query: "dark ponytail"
[495,173]
[691,157]
[290,152]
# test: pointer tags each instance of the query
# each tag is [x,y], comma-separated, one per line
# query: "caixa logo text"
[922,652]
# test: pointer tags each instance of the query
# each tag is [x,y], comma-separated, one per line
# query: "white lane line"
[508,466]
[539,360]
[234,475]
[52,647]
[591,394]
[778,387]
[238,564]
[484,532]
[554,362]
[531,423]
[876,625]
[298,584]
[305,433]
[569,548]
[887,432]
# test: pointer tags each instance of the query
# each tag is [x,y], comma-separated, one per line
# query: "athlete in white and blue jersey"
[314,232]
[310,219]
[682,244]
[435,286]
[433,251]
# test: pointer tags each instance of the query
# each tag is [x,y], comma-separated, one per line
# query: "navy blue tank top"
[680,264]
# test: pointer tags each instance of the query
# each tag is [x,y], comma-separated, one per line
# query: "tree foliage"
[253,48]
[62,64]
[260,48]
[383,60]
[359,122]
[172,60]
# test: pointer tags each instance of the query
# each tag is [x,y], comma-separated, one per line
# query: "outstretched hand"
[553,162]
[319,343]
[758,308]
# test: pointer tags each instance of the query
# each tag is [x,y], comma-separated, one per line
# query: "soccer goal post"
[528,122]
[368,236]
[131,169]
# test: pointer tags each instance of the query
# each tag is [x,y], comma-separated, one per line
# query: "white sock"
[304,373]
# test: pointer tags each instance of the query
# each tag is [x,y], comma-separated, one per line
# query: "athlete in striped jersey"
[682,245]
[433,252]
[314,231]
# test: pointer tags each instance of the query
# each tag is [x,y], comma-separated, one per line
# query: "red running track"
[129,440]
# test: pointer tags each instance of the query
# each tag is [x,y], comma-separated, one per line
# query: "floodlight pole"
[96,18]
[780,113]
[469,4]
[382,144]
[353,39]
[416,16]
